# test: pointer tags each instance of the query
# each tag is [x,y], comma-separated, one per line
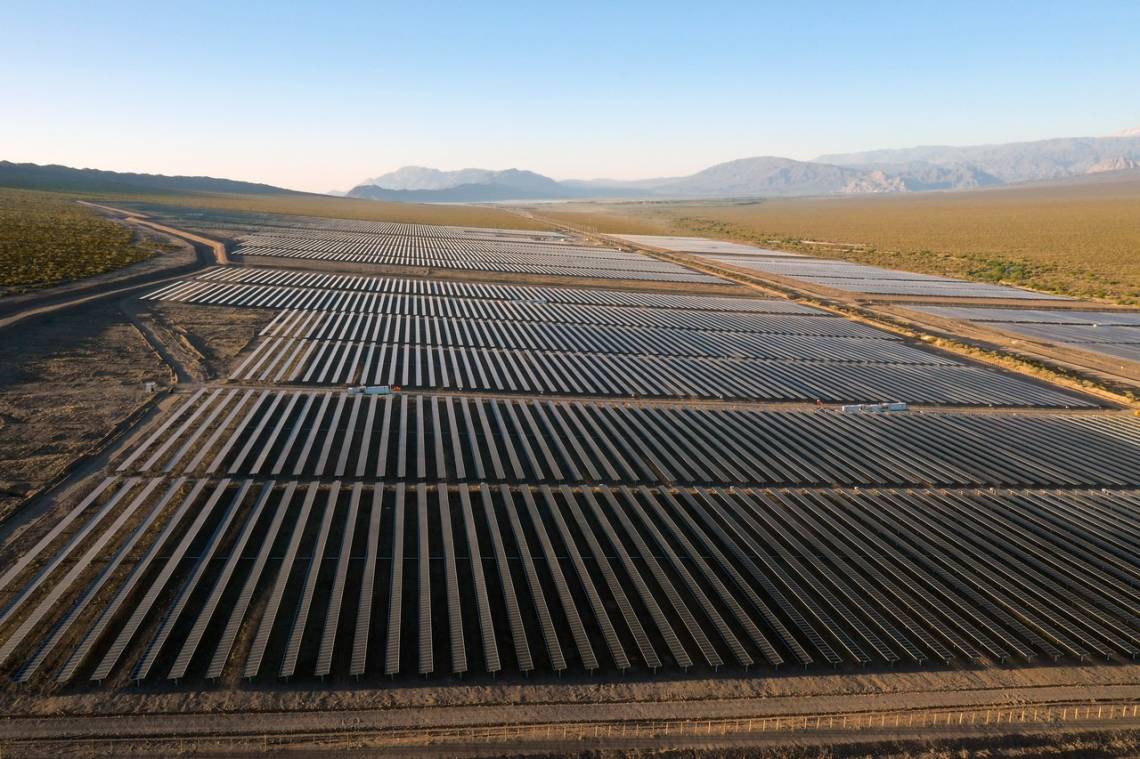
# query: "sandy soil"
[66,380]
[441,702]
[206,339]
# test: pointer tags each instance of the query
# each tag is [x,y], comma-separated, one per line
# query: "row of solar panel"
[439,247]
[259,296]
[548,579]
[249,222]
[271,432]
[875,280]
[835,273]
[508,264]
[1110,333]
[598,338]
[326,362]
[531,294]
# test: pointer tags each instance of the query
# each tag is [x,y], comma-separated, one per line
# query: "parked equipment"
[874,408]
[374,390]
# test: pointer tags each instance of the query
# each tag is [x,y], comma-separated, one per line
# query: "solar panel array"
[834,273]
[1110,333]
[1036,316]
[341,329]
[453,438]
[293,282]
[461,249]
[493,519]
[876,280]
[599,578]
[252,222]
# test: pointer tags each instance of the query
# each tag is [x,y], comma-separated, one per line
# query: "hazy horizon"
[321,100]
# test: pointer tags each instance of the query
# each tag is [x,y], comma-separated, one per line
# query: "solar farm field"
[836,274]
[474,250]
[1115,334]
[528,340]
[569,480]
[399,578]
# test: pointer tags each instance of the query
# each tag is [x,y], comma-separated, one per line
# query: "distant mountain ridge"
[31,176]
[424,178]
[918,169]
[1011,162]
[416,184]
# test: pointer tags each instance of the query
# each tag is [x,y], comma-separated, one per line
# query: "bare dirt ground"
[204,341]
[369,715]
[66,380]
[383,704]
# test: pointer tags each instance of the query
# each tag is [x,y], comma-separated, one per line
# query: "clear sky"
[319,96]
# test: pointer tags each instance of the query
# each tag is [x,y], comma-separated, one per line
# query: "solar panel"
[332,614]
[95,586]
[368,579]
[538,597]
[396,587]
[451,580]
[423,561]
[238,611]
[175,610]
[206,613]
[269,616]
[301,617]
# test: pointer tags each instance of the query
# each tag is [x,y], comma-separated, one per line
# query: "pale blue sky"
[318,96]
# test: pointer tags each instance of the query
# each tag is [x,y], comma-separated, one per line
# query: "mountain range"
[30,176]
[919,169]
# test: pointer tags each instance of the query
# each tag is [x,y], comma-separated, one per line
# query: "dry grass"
[626,218]
[1080,239]
[343,208]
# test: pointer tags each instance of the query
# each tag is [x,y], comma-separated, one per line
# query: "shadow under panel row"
[508,264]
[489,250]
[276,433]
[596,338]
[537,294]
[338,302]
[324,362]
[204,579]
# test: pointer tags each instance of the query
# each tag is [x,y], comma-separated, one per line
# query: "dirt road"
[122,283]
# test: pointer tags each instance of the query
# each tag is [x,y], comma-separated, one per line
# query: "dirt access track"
[489,719]
[205,252]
